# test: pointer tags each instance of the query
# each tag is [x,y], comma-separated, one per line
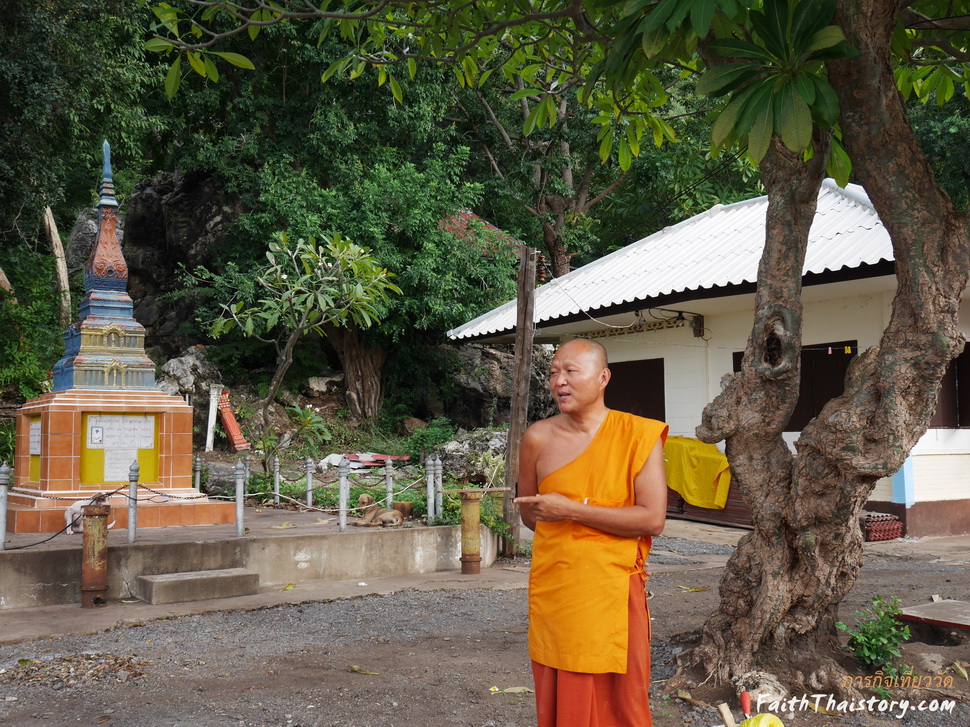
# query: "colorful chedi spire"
[105,348]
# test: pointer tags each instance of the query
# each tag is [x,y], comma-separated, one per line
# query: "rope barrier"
[356,481]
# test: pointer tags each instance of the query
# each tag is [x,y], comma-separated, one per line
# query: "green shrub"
[877,634]
[8,436]
[424,441]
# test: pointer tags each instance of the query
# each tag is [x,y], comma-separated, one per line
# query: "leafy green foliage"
[877,634]
[32,342]
[316,160]
[309,428]
[423,442]
[8,441]
[307,288]
[775,83]
[943,132]
[73,74]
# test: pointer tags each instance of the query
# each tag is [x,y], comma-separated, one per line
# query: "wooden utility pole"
[524,333]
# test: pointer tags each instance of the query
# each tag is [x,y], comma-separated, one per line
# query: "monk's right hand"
[550,508]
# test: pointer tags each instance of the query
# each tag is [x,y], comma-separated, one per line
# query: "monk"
[592,487]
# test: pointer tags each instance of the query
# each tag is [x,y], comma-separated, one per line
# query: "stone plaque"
[35,437]
[121,431]
[117,463]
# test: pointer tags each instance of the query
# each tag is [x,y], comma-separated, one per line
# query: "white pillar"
[210,430]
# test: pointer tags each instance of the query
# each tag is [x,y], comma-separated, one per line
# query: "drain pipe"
[94,560]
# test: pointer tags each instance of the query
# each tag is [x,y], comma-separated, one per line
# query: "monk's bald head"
[586,348]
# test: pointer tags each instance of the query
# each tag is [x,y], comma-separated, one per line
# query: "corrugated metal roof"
[717,248]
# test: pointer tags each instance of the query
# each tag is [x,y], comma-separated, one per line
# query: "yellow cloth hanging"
[698,472]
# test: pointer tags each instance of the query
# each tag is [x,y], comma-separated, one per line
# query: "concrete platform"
[281,546]
[44,621]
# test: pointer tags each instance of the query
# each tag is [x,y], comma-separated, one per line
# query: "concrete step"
[196,585]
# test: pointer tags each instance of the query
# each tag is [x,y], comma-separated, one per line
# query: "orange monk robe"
[586,614]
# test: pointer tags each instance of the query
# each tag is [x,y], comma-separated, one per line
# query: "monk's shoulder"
[637,427]
[542,430]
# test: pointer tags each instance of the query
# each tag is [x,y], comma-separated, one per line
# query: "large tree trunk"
[781,590]
[552,232]
[763,581]
[363,371]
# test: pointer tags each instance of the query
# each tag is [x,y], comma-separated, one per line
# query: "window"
[823,378]
[953,402]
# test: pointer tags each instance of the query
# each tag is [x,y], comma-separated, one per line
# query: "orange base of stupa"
[74,444]
[22,519]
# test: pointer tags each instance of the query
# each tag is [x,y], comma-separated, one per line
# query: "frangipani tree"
[308,287]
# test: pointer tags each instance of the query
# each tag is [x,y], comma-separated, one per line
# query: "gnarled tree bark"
[751,413]
[781,589]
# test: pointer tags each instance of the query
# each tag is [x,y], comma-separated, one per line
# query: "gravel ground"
[413,658]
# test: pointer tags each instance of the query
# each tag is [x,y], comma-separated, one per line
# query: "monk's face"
[578,376]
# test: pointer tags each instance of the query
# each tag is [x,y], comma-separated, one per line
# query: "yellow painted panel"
[93,451]
[33,474]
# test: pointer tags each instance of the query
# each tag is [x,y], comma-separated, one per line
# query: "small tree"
[308,287]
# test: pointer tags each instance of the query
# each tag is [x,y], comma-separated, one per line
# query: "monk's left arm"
[645,518]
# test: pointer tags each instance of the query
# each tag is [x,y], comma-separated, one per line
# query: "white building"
[676,308]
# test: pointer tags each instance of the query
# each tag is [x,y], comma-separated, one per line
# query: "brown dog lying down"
[375,515]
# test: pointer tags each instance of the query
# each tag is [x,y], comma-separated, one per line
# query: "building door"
[637,387]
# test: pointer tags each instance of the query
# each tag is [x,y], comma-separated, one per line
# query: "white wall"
[693,367]
[941,477]
[685,371]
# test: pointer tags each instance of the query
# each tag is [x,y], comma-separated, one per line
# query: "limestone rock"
[171,220]
[190,376]
[325,383]
[485,376]
[477,456]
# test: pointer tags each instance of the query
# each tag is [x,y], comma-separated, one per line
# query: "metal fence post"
[240,472]
[438,469]
[197,468]
[4,481]
[276,480]
[429,471]
[343,492]
[308,462]
[389,482]
[133,473]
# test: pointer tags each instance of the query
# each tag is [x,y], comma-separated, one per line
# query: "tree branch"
[495,122]
[606,192]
